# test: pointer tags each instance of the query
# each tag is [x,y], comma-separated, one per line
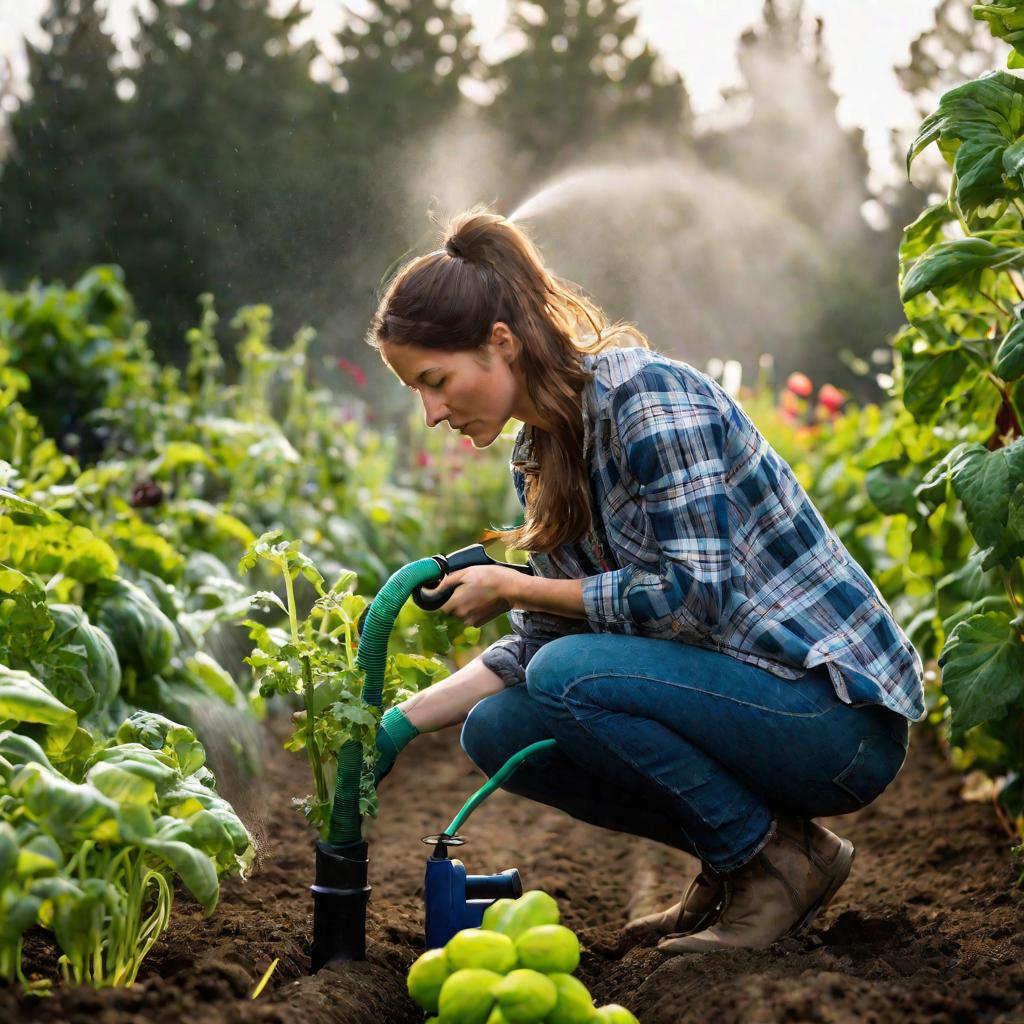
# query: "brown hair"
[488,270]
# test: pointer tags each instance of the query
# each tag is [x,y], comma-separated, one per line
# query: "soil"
[929,926]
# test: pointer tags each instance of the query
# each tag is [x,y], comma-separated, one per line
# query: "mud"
[929,926]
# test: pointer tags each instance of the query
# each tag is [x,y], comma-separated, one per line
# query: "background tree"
[790,147]
[231,136]
[58,213]
[585,81]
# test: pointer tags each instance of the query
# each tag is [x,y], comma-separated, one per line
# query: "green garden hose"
[372,658]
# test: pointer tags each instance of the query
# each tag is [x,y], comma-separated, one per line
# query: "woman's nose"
[435,409]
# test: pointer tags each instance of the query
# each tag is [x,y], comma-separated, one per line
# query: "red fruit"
[830,397]
[800,384]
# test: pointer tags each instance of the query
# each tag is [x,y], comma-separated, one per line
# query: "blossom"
[355,372]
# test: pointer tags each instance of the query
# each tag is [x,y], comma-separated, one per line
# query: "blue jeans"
[686,746]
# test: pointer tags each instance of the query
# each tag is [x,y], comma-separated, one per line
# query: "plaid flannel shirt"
[703,534]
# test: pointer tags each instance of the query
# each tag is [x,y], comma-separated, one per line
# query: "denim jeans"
[683,745]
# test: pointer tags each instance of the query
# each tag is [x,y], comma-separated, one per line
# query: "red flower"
[423,460]
[830,397]
[800,384]
[353,371]
[466,443]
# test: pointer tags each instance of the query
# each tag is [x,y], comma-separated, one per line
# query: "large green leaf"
[23,698]
[982,670]
[890,489]
[70,812]
[192,866]
[1010,356]
[956,262]
[157,733]
[973,126]
[933,381]
[985,481]
[123,783]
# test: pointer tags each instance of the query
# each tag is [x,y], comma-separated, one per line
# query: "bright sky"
[865,39]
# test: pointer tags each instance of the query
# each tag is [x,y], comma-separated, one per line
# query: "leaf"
[982,670]
[263,598]
[959,261]
[932,382]
[924,232]
[177,454]
[1005,20]
[889,490]
[122,785]
[192,866]
[1010,356]
[23,698]
[984,482]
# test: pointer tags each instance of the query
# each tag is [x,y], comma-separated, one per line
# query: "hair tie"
[451,246]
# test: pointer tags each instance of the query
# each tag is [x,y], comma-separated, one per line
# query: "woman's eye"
[437,384]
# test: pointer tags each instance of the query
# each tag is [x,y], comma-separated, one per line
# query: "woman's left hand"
[482,593]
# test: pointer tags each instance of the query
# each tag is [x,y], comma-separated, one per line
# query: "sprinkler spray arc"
[341,889]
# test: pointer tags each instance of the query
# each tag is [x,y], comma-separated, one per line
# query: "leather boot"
[699,907]
[777,893]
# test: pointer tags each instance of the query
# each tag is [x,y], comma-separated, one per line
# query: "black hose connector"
[340,895]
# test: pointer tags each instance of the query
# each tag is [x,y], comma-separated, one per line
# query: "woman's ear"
[504,343]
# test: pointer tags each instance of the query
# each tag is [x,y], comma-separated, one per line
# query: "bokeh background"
[729,176]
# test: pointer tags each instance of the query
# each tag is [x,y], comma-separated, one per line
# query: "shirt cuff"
[604,600]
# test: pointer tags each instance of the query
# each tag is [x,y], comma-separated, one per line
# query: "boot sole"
[843,862]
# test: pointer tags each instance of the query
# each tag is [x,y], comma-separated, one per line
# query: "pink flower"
[357,375]
[800,384]
[423,460]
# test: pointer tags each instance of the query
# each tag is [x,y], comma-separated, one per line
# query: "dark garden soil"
[930,926]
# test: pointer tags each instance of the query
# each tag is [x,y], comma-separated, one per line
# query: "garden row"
[128,497]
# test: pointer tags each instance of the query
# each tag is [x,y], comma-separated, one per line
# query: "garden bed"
[929,927]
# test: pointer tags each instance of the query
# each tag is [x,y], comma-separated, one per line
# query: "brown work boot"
[777,893]
[699,908]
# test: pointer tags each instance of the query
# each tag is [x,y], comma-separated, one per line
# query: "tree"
[230,137]
[584,80]
[790,149]
[57,213]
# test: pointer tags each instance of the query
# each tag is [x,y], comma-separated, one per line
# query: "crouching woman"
[715,667]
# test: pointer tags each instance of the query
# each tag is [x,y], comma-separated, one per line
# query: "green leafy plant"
[315,657]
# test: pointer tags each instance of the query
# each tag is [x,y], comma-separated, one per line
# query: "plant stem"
[293,618]
[1002,309]
[1008,584]
[311,751]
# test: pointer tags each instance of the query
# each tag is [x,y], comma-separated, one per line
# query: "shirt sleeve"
[508,657]
[669,438]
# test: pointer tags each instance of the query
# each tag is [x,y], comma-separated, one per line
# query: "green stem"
[293,618]
[311,751]
[995,303]
[1008,584]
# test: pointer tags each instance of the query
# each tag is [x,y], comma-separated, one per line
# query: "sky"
[865,39]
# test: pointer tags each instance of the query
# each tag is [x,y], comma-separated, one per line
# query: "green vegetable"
[144,637]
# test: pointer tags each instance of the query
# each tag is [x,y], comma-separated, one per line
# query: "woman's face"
[476,392]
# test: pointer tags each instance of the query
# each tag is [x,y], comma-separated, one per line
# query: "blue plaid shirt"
[702,534]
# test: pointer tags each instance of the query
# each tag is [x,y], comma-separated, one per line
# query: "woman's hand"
[482,592]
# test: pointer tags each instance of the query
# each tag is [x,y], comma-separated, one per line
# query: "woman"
[715,667]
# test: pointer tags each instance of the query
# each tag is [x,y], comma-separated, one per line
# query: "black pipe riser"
[340,894]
